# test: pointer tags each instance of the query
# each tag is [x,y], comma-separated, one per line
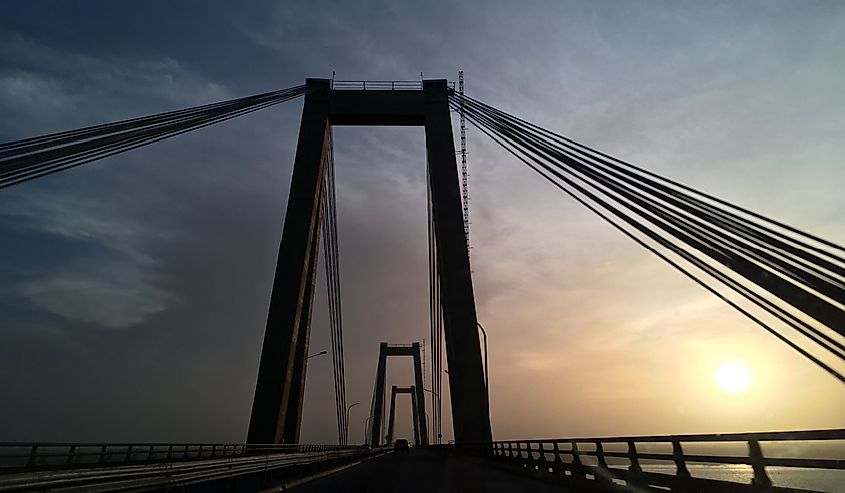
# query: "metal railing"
[16,456]
[380,85]
[247,466]
[655,463]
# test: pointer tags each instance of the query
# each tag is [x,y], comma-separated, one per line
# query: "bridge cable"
[332,268]
[686,272]
[747,247]
[791,254]
[837,286]
[567,141]
[435,314]
[35,157]
[839,345]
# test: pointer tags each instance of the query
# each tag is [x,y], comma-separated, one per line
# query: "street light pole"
[365,429]
[346,430]
[439,406]
[486,356]
[317,354]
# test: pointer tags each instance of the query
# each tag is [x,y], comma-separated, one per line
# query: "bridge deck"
[425,470]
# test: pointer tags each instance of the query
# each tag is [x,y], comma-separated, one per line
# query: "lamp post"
[486,356]
[317,354]
[439,406]
[346,430]
[365,429]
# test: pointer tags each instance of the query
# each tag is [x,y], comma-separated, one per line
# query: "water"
[827,480]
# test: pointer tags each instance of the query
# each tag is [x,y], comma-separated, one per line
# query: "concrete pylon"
[277,405]
[415,415]
[417,399]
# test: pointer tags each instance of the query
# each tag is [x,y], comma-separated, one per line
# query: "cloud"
[50,89]
[114,296]
[112,285]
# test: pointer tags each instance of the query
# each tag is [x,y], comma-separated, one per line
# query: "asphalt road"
[424,471]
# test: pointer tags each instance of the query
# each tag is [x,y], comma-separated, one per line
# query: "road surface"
[425,471]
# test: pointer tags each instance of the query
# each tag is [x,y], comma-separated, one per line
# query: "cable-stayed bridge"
[789,282]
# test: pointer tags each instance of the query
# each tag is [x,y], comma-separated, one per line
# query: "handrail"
[381,85]
[266,469]
[564,457]
[52,455]
[827,434]
[378,85]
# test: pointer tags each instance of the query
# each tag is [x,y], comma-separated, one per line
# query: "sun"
[733,378]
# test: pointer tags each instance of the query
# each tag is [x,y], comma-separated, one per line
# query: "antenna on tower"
[464,185]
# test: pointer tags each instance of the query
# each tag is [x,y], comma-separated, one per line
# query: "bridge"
[791,283]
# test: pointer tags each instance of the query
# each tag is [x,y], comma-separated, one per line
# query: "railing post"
[151,453]
[558,461]
[576,457]
[169,452]
[518,454]
[633,458]
[635,471]
[602,472]
[756,455]
[70,454]
[102,457]
[32,455]
[680,462]
[543,461]
[600,454]
[577,465]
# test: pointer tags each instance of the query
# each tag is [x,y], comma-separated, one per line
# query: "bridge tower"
[418,399]
[277,406]
[418,438]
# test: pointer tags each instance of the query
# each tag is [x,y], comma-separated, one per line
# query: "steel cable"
[690,221]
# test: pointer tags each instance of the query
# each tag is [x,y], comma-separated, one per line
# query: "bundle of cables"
[794,277]
[35,157]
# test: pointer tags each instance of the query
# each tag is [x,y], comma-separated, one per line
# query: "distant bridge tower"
[415,414]
[277,406]
[386,350]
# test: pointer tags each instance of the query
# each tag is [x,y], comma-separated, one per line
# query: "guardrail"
[156,466]
[380,85]
[21,456]
[678,462]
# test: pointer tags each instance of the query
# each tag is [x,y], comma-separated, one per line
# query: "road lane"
[424,471]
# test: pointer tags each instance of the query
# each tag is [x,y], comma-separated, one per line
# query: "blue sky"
[133,291]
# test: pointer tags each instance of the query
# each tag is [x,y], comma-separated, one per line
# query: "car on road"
[401,445]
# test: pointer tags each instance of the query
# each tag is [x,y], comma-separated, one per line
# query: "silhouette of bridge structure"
[794,278]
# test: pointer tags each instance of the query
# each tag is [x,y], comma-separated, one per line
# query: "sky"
[134,290]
